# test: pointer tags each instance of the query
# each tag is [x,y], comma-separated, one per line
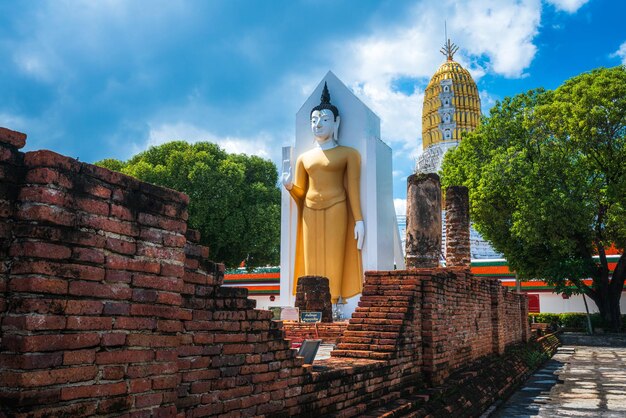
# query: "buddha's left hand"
[359,234]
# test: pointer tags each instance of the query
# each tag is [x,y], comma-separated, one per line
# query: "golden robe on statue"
[326,191]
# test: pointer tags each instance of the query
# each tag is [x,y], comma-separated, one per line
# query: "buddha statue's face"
[323,125]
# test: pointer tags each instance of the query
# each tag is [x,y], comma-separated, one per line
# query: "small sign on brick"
[289,314]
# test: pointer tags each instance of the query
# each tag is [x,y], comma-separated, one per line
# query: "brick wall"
[109,306]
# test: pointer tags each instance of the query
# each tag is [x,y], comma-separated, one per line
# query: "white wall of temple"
[553,303]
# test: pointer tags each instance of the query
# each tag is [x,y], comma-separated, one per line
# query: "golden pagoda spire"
[449,49]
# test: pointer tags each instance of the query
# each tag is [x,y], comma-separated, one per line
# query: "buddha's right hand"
[287,177]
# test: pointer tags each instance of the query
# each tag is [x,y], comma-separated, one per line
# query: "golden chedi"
[451,107]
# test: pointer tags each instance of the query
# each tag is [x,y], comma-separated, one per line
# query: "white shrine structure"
[359,129]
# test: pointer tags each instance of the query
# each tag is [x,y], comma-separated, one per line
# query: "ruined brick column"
[457,227]
[423,221]
[11,173]
[313,294]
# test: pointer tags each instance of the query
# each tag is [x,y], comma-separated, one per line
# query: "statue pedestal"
[313,295]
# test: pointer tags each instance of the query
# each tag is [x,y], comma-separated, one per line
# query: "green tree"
[234,198]
[546,172]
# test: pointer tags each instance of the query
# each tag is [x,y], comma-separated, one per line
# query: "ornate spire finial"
[325,102]
[325,94]
[449,49]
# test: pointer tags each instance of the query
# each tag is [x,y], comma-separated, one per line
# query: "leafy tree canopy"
[546,172]
[234,198]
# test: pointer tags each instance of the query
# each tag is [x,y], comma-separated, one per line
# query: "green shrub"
[575,321]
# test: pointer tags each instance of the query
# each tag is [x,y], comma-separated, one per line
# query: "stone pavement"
[579,381]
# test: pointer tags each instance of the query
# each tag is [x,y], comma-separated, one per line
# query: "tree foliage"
[546,173]
[234,198]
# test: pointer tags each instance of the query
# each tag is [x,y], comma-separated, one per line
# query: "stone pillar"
[313,294]
[423,221]
[457,227]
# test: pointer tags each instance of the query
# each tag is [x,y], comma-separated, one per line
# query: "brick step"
[365,340]
[371,334]
[368,303]
[373,327]
[395,294]
[400,407]
[371,347]
[383,315]
[377,321]
[362,354]
[394,309]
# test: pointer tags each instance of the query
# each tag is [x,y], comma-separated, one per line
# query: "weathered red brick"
[139,385]
[93,391]
[37,396]
[16,139]
[132,323]
[160,311]
[169,326]
[48,176]
[113,372]
[108,291]
[43,194]
[97,207]
[89,323]
[59,233]
[105,224]
[38,285]
[120,262]
[124,356]
[51,342]
[28,361]
[51,377]
[116,308]
[113,339]
[33,322]
[162,222]
[45,158]
[60,269]
[90,255]
[121,212]
[152,235]
[147,340]
[136,371]
[121,246]
[174,240]
[118,276]
[116,404]
[172,270]
[151,399]
[79,357]
[162,253]
[173,284]
[83,307]
[144,295]
[196,250]
[40,249]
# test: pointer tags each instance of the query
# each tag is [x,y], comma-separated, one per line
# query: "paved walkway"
[579,381]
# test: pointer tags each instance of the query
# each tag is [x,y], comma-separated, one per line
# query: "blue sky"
[109,78]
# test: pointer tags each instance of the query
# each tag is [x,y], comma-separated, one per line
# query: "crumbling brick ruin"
[108,306]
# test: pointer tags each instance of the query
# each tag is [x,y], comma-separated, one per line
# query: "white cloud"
[400,205]
[569,6]
[64,33]
[621,53]
[163,133]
